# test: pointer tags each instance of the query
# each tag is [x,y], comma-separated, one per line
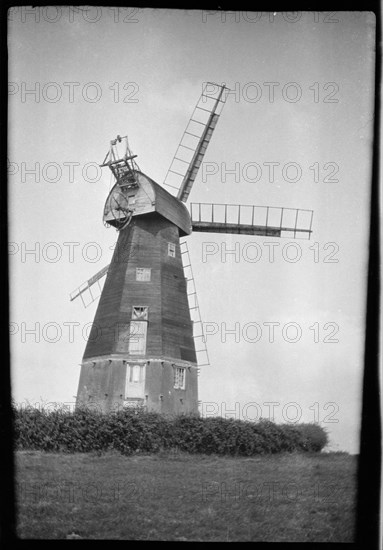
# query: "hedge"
[136,430]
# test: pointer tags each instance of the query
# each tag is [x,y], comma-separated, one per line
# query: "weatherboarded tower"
[141,348]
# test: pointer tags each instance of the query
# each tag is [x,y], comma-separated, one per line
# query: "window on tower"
[137,337]
[179,378]
[143,273]
[135,374]
[138,330]
[140,313]
[172,250]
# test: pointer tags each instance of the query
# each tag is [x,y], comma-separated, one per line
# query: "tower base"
[112,384]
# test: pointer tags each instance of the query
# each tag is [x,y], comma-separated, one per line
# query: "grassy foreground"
[283,497]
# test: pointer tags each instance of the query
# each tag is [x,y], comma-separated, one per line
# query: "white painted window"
[135,374]
[131,201]
[140,313]
[143,273]
[179,378]
[172,250]
[137,337]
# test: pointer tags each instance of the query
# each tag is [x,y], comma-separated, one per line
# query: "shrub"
[312,437]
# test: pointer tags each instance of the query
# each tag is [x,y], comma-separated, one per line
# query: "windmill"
[147,344]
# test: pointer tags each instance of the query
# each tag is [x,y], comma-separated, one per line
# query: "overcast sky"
[140,72]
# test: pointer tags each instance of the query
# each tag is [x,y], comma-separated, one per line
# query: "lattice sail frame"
[195,314]
[272,221]
[84,291]
[188,158]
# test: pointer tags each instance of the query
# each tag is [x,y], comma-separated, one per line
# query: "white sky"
[168,55]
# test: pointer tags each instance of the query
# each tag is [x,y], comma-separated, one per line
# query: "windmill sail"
[198,334]
[195,140]
[251,220]
[84,291]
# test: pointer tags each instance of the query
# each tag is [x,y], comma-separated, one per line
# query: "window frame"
[131,201]
[146,271]
[172,250]
[176,383]
[138,347]
[134,369]
[143,317]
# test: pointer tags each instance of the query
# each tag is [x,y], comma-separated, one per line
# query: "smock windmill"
[147,343]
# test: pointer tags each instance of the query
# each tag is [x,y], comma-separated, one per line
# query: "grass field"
[288,497]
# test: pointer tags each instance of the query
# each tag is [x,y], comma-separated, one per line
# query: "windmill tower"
[146,343]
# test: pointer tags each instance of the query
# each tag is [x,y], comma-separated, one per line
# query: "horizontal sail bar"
[251,220]
[208,227]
